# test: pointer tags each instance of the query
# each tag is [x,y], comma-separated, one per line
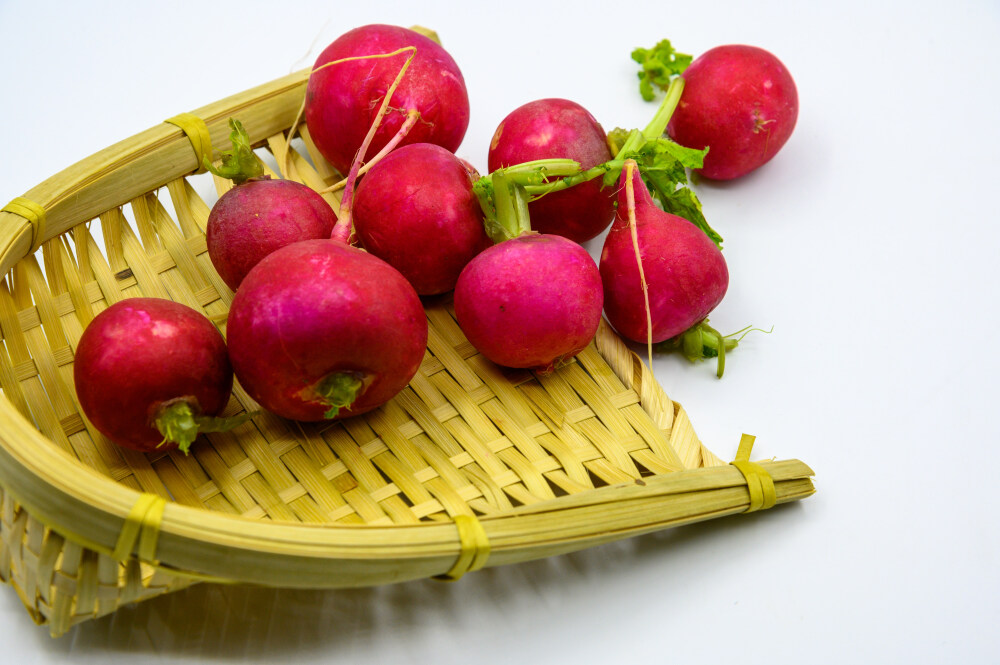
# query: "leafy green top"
[240,163]
[659,64]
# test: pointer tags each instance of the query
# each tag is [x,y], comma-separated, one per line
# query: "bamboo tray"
[469,466]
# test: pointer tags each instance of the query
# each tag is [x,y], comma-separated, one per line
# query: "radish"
[740,102]
[151,373]
[662,275]
[558,128]
[341,100]
[322,330]
[259,215]
[416,210]
[533,300]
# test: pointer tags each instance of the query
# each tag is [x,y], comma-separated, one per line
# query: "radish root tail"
[630,167]
[342,230]
[302,107]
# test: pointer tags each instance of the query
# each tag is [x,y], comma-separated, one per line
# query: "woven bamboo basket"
[470,465]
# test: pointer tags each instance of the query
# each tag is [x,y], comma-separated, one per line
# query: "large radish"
[341,100]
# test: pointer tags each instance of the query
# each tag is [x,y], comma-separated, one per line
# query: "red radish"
[740,102]
[416,210]
[558,128]
[684,271]
[151,373]
[322,330]
[342,100]
[259,215]
[530,302]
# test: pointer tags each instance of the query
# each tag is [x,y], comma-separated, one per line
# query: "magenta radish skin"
[685,272]
[558,128]
[530,302]
[140,354]
[342,100]
[740,102]
[257,217]
[319,307]
[416,210]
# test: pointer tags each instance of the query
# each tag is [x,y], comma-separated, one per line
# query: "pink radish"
[341,100]
[259,214]
[533,300]
[151,373]
[558,128]
[662,275]
[740,102]
[416,210]
[530,302]
[322,330]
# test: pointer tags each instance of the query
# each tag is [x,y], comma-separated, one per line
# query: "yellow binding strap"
[197,133]
[142,525]
[32,212]
[759,481]
[475,547]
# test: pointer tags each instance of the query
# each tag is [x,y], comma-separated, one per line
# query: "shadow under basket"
[470,465]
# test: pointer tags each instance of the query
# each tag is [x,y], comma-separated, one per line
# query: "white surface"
[869,244]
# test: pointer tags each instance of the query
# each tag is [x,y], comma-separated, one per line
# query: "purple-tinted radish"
[150,373]
[558,128]
[684,271]
[530,302]
[416,210]
[259,215]
[322,330]
[740,102]
[342,99]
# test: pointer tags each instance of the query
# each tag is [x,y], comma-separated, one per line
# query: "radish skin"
[741,102]
[530,302]
[321,330]
[341,101]
[416,210]
[684,275]
[558,128]
[258,217]
[140,358]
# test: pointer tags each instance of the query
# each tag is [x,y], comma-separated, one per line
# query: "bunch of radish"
[321,329]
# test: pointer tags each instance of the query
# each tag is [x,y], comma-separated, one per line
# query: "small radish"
[532,300]
[662,275]
[558,128]
[416,210]
[322,330]
[259,214]
[741,103]
[151,373]
[341,100]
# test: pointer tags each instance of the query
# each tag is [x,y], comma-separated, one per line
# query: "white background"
[869,243]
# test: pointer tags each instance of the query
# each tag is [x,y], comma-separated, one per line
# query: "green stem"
[534,191]
[240,163]
[658,124]
[702,341]
[180,422]
[339,390]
